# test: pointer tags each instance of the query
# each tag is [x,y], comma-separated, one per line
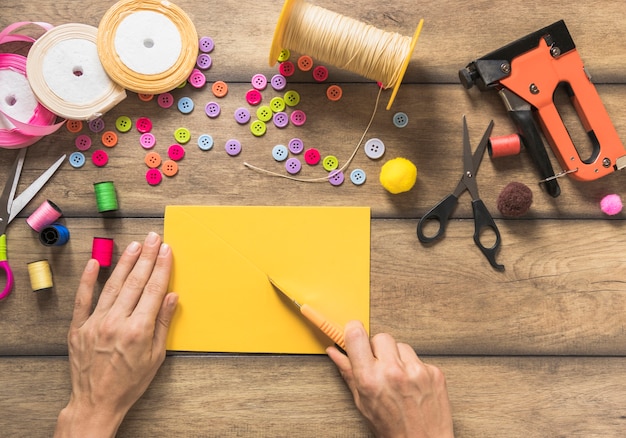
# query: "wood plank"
[295,396]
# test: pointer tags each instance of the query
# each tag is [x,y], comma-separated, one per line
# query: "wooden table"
[537,350]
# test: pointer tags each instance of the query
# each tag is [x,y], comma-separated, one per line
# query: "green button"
[258,128]
[330,162]
[123,123]
[264,113]
[284,55]
[277,104]
[182,135]
[292,98]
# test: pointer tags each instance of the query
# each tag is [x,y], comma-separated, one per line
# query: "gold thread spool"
[344,42]
[167,13]
[73,44]
[40,275]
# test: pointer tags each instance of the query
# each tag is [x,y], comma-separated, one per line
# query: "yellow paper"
[222,259]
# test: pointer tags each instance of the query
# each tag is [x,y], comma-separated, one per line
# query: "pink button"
[147,140]
[196,78]
[298,117]
[154,176]
[312,156]
[286,68]
[165,100]
[259,81]
[100,158]
[144,124]
[176,152]
[82,142]
[320,73]
[254,97]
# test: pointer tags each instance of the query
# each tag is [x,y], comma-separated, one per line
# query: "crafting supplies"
[611,204]
[23,120]
[514,200]
[504,145]
[148,46]
[106,197]
[66,74]
[40,275]
[102,251]
[54,235]
[343,42]
[44,215]
[398,175]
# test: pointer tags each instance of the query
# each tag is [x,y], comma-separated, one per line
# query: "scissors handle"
[440,213]
[4,264]
[482,221]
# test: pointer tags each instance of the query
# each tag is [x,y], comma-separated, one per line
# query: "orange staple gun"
[526,73]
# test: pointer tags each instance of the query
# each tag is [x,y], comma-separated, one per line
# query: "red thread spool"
[102,250]
[46,214]
[504,146]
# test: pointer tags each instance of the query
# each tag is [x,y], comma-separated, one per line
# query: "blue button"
[280,152]
[357,176]
[400,119]
[205,142]
[77,159]
[185,105]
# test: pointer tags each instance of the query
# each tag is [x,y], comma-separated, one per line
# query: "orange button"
[152,159]
[145,97]
[305,63]
[169,168]
[109,139]
[219,88]
[334,92]
[74,126]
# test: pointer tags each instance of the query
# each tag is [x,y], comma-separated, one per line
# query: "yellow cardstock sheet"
[224,255]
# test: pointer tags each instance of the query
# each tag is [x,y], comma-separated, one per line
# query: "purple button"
[233,147]
[242,116]
[204,61]
[196,79]
[296,145]
[336,177]
[212,109]
[147,140]
[96,125]
[176,152]
[254,97]
[154,176]
[293,166]
[259,81]
[281,119]
[206,44]
[165,100]
[298,117]
[279,82]
[82,142]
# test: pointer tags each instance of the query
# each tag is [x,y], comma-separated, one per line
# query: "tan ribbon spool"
[65,73]
[138,41]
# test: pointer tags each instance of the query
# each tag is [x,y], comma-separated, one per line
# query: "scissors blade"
[24,198]
[471,162]
[6,200]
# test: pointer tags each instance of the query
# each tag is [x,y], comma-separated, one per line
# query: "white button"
[374,148]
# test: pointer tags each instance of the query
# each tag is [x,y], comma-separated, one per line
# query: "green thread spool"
[106,198]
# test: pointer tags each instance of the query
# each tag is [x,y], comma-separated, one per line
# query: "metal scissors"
[10,207]
[482,218]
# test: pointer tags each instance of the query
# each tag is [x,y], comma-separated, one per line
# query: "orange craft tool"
[332,330]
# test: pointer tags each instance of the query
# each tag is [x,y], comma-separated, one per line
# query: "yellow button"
[292,98]
[123,123]
[277,104]
[182,135]
[258,128]
[330,162]
[264,113]
[284,55]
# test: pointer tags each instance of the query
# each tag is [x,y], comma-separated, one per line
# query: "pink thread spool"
[102,250]
[46,214]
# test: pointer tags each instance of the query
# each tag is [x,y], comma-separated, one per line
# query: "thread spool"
[54,235]
[504,146]
[102,251]
[106,197]
[40,275]
[149,47]
[44,215]
[344,42]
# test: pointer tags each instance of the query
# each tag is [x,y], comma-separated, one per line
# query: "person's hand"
[397,393]
[115,351]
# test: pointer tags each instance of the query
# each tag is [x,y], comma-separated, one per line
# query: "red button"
[286,68]
[254,97]
[320,73]
[312,156]
[153,176]
[144,125]
[100,158]
[176,152]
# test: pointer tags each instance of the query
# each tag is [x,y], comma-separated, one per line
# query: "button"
[292,98]
[152,159]
[336,177]
[281,119]
[330,162]
[374,148]
[182,84]
[280,152]
[264,113]
[123,124]
[298,117]
[145,97]
[254,97]
[206,44]
[83,142]
[182,135]
[286,68]
[169,168]
[196,78]
[293,166]
[96,125]
[357,176]
[165,100]
[259,81]
[233,147]
[144,124]
[147,140]
[219,88]
[284,55]
[153,176]
[242,115]
[277,104]
[212,109]
[400,119]
[74,126]
[296,145]
[185,105]
[312,156]
[100,158]
[305,63]
[334,93]
[176,152]
[77,159]
[320,73]
[204,61]
[278,82]
[109,139]
[205,142]
[258,128]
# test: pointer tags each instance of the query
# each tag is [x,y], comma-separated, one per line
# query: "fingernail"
[133,248]
[92,265]
[164,250]
[152,238]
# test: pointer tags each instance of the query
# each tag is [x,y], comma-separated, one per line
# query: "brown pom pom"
[515,199]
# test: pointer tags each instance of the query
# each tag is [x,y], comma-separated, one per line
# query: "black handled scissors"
[482,218]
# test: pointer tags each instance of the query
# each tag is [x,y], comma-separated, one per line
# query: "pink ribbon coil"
[17,130]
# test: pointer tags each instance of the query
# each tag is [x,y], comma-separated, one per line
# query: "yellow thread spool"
[302,27]
[40,275]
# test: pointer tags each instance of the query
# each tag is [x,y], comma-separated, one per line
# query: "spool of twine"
[40,275]
[106,197]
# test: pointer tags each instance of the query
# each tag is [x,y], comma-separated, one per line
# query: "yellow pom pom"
[398,175]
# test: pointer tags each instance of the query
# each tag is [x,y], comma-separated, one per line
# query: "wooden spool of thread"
[40,275]
[344,42]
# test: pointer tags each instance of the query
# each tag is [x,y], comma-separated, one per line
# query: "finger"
[358,346]
[341,360]
[151,299]
[84,294]
[164,318]
[384,347]
[407,354]
[114,284]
